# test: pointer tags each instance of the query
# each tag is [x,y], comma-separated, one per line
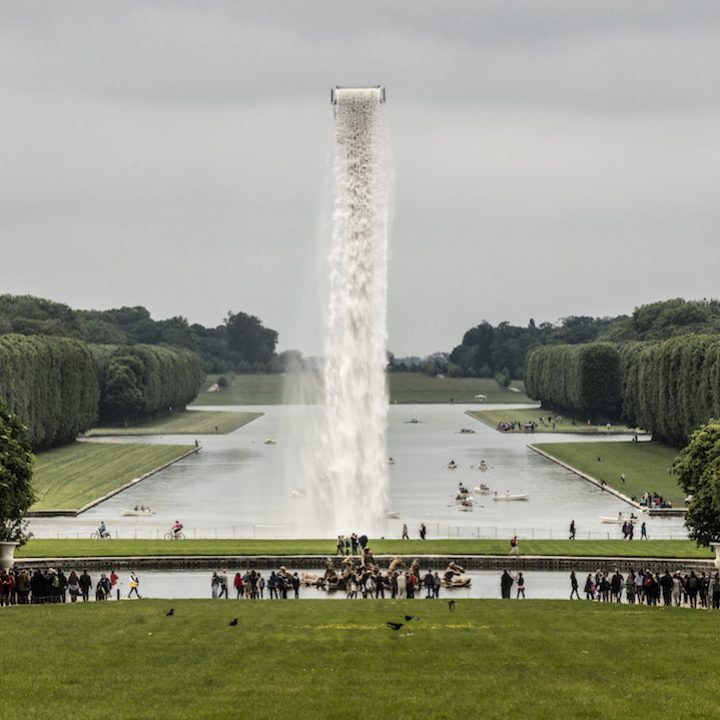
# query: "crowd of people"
[676,589]
[22,586]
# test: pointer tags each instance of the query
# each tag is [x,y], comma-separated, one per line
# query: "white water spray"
[348,463]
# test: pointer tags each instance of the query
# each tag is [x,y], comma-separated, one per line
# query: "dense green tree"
[247,337]
[698,472]
[16,462]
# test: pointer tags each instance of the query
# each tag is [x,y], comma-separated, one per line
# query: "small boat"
[271,441]
[137,512]
[482,489]
[393,515]
[508,496]
[619,520]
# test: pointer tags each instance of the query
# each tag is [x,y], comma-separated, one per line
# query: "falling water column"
[354,478]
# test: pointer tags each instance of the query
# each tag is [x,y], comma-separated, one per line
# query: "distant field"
[577,548]
[69,477]
[191,422]
[646,465]
[408,388]
[562,425]
[535,659]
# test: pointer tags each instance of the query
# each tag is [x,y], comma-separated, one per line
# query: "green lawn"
[646,465]
[195,422]
[564,425]
[71,476]
[286,548]
[535,659]
[404,388]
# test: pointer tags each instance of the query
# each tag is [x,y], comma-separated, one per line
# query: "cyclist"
[176,528]
[102,531]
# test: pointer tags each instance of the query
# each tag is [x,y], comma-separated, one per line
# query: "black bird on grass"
[408,618]
[451,605]
[394,625]
[170,612]
[233,622]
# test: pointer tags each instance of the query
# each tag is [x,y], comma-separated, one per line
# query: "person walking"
[405,535]
[223,578]
[572,530]
[520,584]
[134,583]
[423,531]
[514,550]
[643,532]
[574,586]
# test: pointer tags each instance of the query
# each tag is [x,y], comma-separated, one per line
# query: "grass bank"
[562,425]
[535,659]
[191,422]
[684,549]
[404,388]
[646,465]
[71,476]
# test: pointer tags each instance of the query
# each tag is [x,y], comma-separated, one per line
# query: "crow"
[233,622]
[170,612]
[394,625]
[408,618]
[451,605]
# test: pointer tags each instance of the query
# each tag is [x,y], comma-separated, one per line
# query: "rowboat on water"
[618,520]
[137,512]
[508,496]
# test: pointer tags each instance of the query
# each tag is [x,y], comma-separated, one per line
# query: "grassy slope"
[71,476]
[197,422]
[313,659]
[596,548]
[645,465]
[565,425]
[404,388]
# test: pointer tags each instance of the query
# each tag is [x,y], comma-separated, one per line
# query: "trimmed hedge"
[579,378]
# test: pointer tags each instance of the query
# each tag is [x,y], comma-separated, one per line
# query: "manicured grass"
[404,388]
[646,465]
[536,659]
[195,422]
[71,476]
[419,388]
[564,425]
[285,548]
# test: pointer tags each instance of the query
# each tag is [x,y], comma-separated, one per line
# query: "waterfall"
[349,474]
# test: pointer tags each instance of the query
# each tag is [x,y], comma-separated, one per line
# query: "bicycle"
[170,535]
[97,536]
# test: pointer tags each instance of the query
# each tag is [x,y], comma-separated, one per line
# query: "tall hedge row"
[142,380]
[584,378]
[671,388]
[61,387]
[50,383]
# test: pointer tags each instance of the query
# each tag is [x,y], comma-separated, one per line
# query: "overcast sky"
[551,158]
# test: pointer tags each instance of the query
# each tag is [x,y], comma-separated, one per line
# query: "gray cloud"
[551,158]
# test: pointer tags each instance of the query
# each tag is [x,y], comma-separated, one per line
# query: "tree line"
[240,344]
[669,388]
[60,387]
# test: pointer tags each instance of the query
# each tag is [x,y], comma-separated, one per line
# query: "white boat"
[482,490]
[137,513]
[508,496]
[393,515]
[619,520]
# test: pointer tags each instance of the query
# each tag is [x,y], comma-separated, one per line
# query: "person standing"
[520,582]
[295,580]
[514,550]
[134,583]
[438,583]
[405,535]
[401,586]
[506,583]
[429,583]
[643,532]
[572,530]
[423,531]
[85,585]
[574,586]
